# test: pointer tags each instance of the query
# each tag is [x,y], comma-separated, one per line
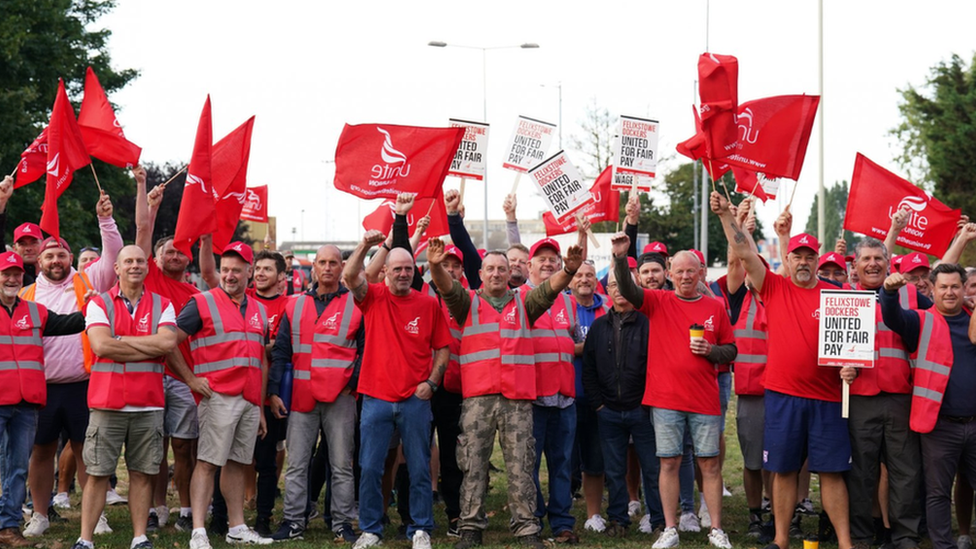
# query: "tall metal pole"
[704,178]
[695,212]
[484,99]
[821,195]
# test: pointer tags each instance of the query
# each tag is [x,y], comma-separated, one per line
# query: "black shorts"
[66,410]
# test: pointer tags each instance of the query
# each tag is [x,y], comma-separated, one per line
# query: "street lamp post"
[484,97]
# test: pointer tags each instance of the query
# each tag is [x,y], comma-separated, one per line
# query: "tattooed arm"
[740,241]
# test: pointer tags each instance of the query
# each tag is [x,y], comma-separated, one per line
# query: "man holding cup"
[682,382]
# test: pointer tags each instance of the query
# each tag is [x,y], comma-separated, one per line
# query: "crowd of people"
[621,384]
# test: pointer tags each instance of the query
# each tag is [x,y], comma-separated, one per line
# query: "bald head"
[399,271]
[131,267]
[327,268]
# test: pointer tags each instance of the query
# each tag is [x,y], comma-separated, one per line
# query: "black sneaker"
[152,525]
[469,539]
[755,529]
[796,531]
[79,545]
[262,525]
[184,523]
[217,528]
[288,530]
[402,533]
[615,530]
[143,545]
[53,516]
[452,529]
[532,541]
[345,534]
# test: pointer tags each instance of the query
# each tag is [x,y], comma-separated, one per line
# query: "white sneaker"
[421,540]
[367,540]
[37,526]
[113,498]
[61,501]
[719,539]
[667,539]
[704,518]
[634,509]
[162,513]
[725,492]
[688,522]
[964,542]
[102,527]
[645,525]
[200,541]
[595,524]
[247,537]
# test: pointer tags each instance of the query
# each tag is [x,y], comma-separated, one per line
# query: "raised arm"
[739,240]
[144,223]
[511,222]
[418,233]
[582,228]
[352,274]
[783,227]
[631,222]
[461,238]
[620,243]
[438,274]
[966,234]
[898,222]
[208,264]
[374,268]
[571,263]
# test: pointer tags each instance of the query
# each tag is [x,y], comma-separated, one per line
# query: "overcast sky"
[306,68]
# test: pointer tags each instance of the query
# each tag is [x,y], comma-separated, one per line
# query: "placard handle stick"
[845,399]
[92,166]
[432,202]
[15,169]
[461,191]
[754,187]
[633,184]
[518,175]
[168,181]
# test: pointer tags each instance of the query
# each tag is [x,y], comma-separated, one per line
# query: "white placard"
[469,160]
[636,148]
[847,328]
[530,141]
[561,186]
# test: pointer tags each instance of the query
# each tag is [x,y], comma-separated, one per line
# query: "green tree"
[595,143]
[835,200]
[41,41]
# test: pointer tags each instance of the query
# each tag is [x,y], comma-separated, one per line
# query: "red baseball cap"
[28,229]
[656,247]
[51,242]
[10,260]
[833,258]
[451,249]
[631,262]
[912,261]
[699,255]
[544,243]
[896,263]
[803,240]
[241,249]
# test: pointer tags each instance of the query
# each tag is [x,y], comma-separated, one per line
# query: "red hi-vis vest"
[323,348]
[750,338]
[892,372]
[933,363]
[229,349]
[114,385]
[22,355]
[81,286]
[452,375]
[496,350]
[552,339]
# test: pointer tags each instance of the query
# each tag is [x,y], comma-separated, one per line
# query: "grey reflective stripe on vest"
[221,336]
[109,312]
[340,340]
[750,359]
[519,359]
[35,337]
[903,297]
[554,357]
[214,313]
[20,340]
[331,363]
[748,331]
[922,362]
[891,352]
[455,333]
[26,365]
[571,311]
[476,328]
[128,367]
[480,355]
[157,310]
[237,361]
[303,375]
[296,328]
[928,394]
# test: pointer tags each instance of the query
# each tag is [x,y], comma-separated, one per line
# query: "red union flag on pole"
[256,204]
[605,206]
[33,161]
[197,210]
[718,88]
[384,160]
[755,183]
[229,167]
[65,153]
[876,194]
[100,128]
[773,135]
[381,219]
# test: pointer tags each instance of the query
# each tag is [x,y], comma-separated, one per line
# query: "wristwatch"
[433,386]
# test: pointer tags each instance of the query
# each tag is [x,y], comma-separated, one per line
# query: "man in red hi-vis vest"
[23,324]
[131,331]
[227,334]
[498,384]
[941,343]
[321,335]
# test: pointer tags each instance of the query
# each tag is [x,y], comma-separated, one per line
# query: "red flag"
[229,166]
[256,204]
[382,161]
[101,130]
[65,153]
[747,181]
[876,194]
[197,209]
[605,206]
[718,88]
[695,149]
[33,161]
[381,219]
[773,134]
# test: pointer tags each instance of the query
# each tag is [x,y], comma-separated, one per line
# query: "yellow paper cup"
[697,333]
[811,544]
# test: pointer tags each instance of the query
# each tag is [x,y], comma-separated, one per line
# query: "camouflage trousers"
[480,417]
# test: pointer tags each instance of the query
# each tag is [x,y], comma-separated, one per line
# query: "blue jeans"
[554,430]
[411,418]
[19,425]
[616,428]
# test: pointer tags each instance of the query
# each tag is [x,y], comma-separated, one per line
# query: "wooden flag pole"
[461,191]
[518,175]
[168,181]
[710,175]
[792,194]
[97,184]
[593,240]
[754,187]
[15,170]
[432,202]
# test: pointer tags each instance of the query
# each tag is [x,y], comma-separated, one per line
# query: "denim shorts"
[669,429]
[724,394]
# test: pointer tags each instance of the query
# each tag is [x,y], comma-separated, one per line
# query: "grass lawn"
[735,519]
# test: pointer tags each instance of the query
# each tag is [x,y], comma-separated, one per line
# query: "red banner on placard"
[876,194]
[256,204]
[605,206]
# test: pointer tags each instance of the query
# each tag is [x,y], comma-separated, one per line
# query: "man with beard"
[880,408]
[802,400]
[165,276]
[518,258]
[406,353]
[652,272]
[62,289]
